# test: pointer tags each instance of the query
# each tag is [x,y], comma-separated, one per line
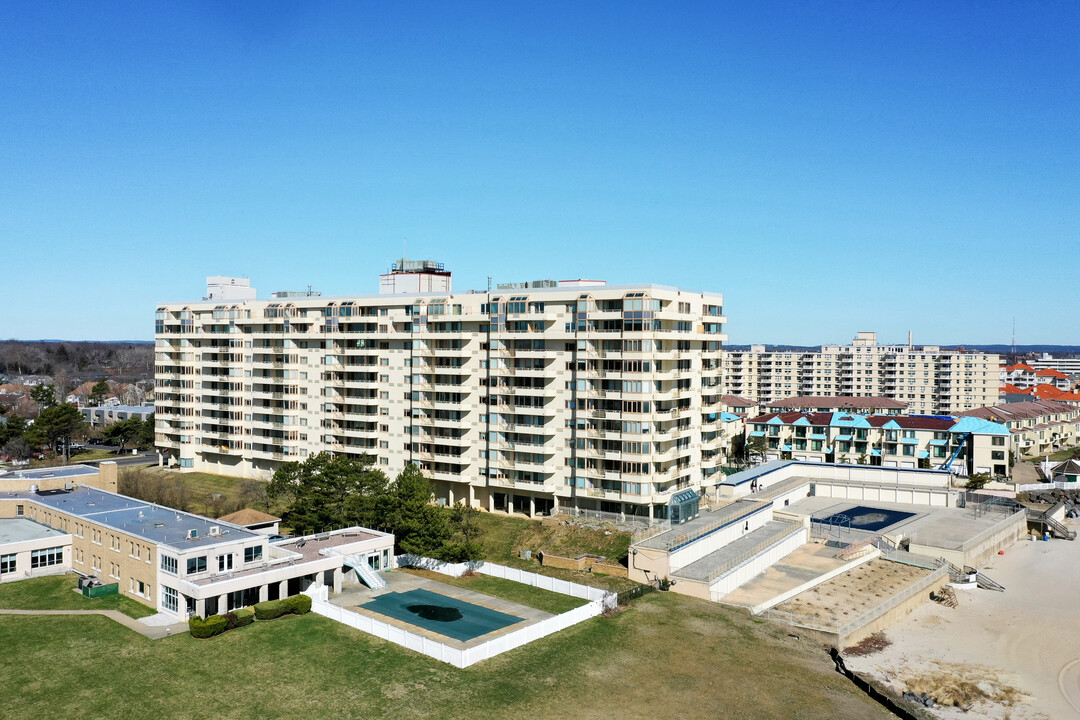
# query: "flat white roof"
[15,530]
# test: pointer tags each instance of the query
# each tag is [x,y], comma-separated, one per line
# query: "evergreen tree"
[465,532]
[15,427]
[327,492]
[58,424]
[98,393]
[419,527]
[44,395]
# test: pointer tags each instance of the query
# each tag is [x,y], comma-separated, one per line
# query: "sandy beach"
[1025,639]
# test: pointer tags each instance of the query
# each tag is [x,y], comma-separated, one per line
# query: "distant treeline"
[120,360]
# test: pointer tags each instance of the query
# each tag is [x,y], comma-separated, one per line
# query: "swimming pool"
[861,517]
[441,614]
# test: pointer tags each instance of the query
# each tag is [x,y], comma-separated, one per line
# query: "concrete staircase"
[371,578]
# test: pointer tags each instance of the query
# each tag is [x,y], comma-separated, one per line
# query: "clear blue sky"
[830,167]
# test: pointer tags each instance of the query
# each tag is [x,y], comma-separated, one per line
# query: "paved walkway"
[153,632]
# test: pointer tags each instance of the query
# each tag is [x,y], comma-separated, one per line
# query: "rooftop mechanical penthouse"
[534,394]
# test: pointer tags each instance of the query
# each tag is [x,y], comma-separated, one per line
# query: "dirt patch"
[849,595]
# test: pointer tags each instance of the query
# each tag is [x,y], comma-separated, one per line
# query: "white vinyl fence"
[598,600]
[1048,486]
[545,582]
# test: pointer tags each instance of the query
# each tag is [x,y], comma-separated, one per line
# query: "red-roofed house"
[1024,376]
[1038,427]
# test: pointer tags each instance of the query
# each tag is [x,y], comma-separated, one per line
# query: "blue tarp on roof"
[849,420]
[979,427]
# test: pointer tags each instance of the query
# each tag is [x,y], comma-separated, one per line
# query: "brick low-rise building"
[176,562]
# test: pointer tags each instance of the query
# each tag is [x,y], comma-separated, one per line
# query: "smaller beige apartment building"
[928,379]
[1038,428]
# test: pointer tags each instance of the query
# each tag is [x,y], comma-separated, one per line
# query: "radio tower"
[1014,341]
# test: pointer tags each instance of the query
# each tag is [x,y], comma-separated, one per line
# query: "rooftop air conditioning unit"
[214,530]
[192,534]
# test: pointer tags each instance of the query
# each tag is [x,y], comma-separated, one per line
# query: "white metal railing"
[773,539]
[544,582]
[611,517]
[864,618]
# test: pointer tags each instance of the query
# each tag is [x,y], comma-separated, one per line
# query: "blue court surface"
[440,613]
[865,518]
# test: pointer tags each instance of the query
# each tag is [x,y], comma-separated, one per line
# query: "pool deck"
[351,597]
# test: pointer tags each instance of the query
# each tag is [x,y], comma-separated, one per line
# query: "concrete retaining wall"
[712,542]
[757,565]
[1001,536]
[860,474]
[901,494]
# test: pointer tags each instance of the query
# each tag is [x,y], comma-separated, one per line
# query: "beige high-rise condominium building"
[929,379]
[572,393]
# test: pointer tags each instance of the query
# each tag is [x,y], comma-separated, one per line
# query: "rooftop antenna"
[1014,340]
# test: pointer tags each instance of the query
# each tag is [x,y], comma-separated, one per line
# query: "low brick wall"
[606,569]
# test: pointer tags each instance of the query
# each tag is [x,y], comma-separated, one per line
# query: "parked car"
[97,441]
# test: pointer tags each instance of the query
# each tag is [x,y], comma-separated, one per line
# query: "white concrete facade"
[29,549]
[604,397]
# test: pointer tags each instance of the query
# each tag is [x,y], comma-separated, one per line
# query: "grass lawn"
[93,454]
[57,592]
[552,602]
[56,460]
[505,537]
[668,656]
[201,489]
[1059,456]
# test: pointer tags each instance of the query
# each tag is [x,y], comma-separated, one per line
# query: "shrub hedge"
[270,609]
[239,618]
[211,626]
[299,604]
